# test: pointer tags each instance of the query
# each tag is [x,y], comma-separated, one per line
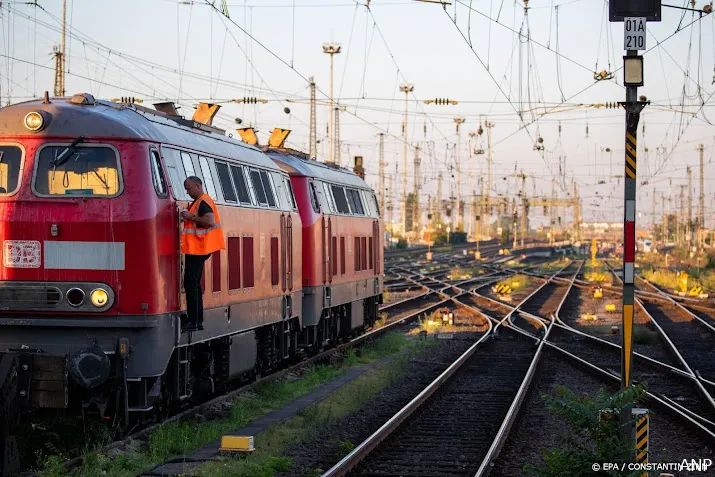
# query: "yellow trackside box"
[237,444]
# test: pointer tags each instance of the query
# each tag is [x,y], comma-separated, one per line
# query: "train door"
[287,259]
[376,254]
[328,246]
[290,253]
[169,224]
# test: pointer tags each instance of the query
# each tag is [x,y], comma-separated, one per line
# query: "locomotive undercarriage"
[195,372]
[340,323]
[199,371]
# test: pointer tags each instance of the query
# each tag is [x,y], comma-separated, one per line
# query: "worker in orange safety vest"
[202,236]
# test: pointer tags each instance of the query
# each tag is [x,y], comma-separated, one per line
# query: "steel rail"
[187,413]
[601,341]
[513,412]
[516,308]
[388,306]
[364,448]
[560,323]
[351,460]
[689,412]
[690,301]
[535,317]
[679,305]
[687,372]
[674,349]
[704,394]
[503,433]
[694,419]
[671,345]
[709,434]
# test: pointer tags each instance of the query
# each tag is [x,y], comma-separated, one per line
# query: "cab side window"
[157,175]
[207,177]
[175,170]
[314,199]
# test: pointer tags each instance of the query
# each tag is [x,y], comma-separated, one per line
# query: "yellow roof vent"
[205,113]
[278,137]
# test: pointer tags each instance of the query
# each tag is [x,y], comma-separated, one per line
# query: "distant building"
[598,228]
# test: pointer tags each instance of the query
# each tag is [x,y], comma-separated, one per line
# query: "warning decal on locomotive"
[21,254]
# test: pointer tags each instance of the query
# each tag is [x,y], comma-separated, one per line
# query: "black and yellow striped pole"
[633,77]
[634,16]
[640,416]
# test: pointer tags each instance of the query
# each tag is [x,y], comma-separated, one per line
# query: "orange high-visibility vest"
[195,241]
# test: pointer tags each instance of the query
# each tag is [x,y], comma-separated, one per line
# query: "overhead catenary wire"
[364,105]
[281,60]
[499,87]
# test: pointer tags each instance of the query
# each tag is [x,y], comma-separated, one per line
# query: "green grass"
[553,265]
[65,436]
[179,438]
[435,317]
[667,279]
[381,320]
[278,439]
[463,273]
[705,278]
[517,282]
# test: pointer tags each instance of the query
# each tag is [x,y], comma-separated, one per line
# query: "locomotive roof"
[98,118]
[296,163]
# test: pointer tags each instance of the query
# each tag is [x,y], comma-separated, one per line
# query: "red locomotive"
[342,248]
[90,294]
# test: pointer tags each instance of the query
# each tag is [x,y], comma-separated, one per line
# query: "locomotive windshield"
[10,158]
[86,171]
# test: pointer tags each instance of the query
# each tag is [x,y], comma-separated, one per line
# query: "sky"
[529,72]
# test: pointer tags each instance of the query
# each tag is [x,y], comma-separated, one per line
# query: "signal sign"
[634,33]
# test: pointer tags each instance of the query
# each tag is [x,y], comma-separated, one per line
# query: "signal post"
[633,15]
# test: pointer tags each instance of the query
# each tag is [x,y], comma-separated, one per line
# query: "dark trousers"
[193,269]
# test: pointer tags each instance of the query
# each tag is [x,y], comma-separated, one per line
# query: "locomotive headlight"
[34,121]
[99,297]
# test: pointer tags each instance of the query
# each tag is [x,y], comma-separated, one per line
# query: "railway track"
[397,309]
[467,411]
[692,338]
[547,301]
[458,289]
[661,378]
[491,308]
[672,389]
[461,419]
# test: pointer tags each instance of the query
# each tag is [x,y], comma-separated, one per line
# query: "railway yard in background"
[461,359]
